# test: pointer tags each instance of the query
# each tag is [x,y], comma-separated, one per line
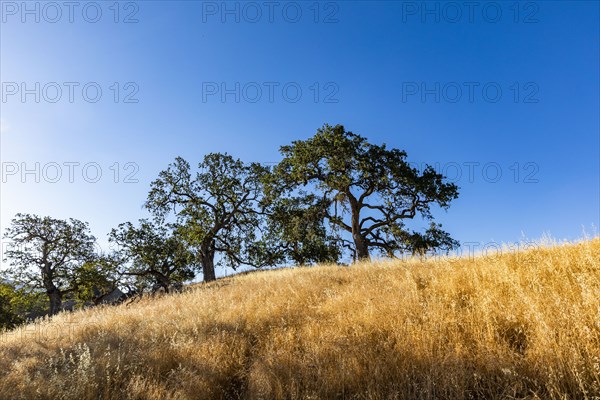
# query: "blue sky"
[502,97]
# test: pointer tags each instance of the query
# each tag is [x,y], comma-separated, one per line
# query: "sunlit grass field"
[516,325]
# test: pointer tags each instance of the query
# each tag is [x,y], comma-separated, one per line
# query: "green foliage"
[154,254]
[297,233]
[9,316]
[95,279]
[17,305]
[218,209]
[44,253]
[368,190]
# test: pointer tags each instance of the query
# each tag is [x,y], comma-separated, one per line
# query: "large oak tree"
[368,191]
[218,208]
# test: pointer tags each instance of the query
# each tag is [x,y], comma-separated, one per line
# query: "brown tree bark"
[55,297]
[208,261]
[362,249]
[360,243]
[208,269]
[54,294]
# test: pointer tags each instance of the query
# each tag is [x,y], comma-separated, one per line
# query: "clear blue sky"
[503,87]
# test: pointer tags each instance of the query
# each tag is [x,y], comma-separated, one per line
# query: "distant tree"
[367,191]
[44,253]
[154,254]
[218,209]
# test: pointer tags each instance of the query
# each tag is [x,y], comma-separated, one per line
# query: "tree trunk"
[208,268]
[208,262]
[163,281]
[165,284]
[55,297]
[362,249]
[54,294]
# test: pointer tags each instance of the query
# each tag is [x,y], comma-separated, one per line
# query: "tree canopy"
[9,317]
[296,231]
[218,209]
[367,191]
[45,253]
[155,254]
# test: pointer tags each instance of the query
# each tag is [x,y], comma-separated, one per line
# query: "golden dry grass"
[519,325]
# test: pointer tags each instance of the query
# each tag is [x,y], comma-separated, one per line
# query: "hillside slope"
[519,325]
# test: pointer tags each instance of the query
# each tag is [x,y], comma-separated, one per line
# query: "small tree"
[9,317]
[367,190]
[96,279]
[218,209]
[153,253]
[44,253]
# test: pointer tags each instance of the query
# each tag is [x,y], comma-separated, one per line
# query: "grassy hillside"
[520,325]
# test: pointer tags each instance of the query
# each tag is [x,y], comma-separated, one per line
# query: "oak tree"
[297,233]
[367,191]
[154,254]
[45,253]
[218,209]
